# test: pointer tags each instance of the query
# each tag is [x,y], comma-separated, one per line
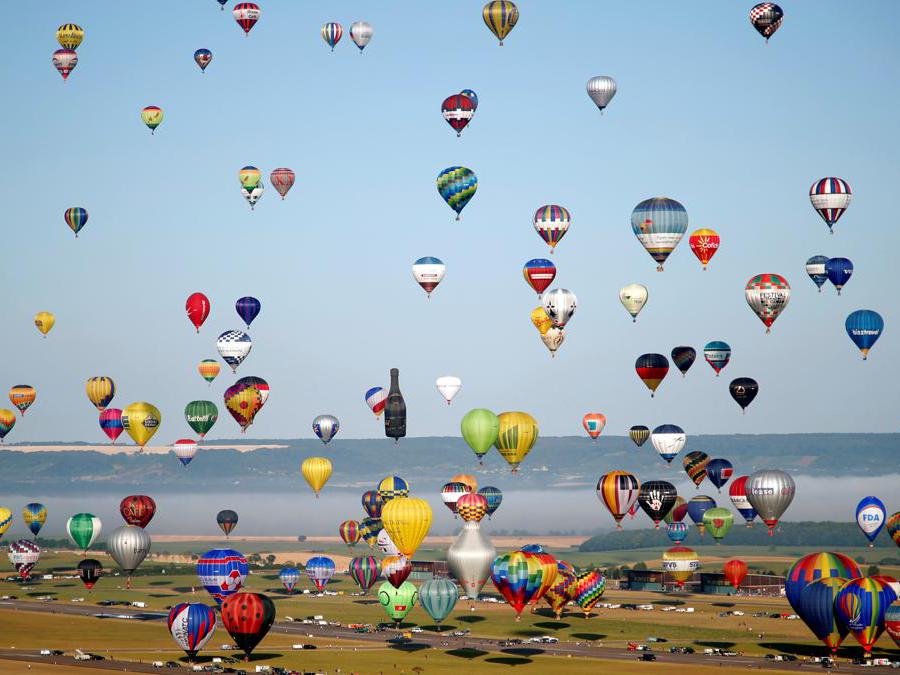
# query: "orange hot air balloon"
[466,479]
[22,396]
[735,570]
[704,243]
[593,424]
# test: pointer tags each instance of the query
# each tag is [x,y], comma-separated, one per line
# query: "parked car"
[647,657]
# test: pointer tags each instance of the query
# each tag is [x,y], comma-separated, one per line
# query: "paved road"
[299,631]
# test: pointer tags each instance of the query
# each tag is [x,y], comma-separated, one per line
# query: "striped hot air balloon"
[500,16]
[829,196]
[618,490]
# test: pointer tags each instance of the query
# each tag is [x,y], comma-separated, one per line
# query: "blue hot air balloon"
[815,268]
[472,96]
[222,572]
[494,497]
[457,186]
[719,471]
[839,271]
[717,355]
[659,224]
[35,515]
[677,531]
[870,516]
[864,327]
[289,576]
[248,309]
[696,507]
[816,608]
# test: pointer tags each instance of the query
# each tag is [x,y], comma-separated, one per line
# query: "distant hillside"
[559,462]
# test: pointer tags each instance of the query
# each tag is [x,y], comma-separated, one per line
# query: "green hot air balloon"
[438,597]
[397,601]
[200,416]
[718,521]
[83,529]
[480,428]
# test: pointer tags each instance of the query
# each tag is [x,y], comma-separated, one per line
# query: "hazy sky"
[706,113]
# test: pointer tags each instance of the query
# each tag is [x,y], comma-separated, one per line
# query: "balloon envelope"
[247,617]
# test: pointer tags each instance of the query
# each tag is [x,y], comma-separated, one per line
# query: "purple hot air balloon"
[248,309]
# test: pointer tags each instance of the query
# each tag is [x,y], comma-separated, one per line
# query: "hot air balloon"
[244,400]
[438,597]
[539,273]
[680,562]
[766,18]
[451,492]
[369,529]
[892,622]
[815,268]
[552,222]
[719,471]
[601,90]
[349,532]
[735,571]
[738,494]
[234,346]
[695,466]
[816,566]
[141,420]
[197,307]
[893,527]
[677,532]
[553,339]
[69,36]
[717,355]
[517,435]
[472,96]
[248,309]
[385,544]
[128,546]
[767,295]
[249,176]
[860,606]
[34,515]
[457,186]
[586,590]
[457,110]
[618,490]
[469,559]
[152,116]
[494,498]
[593,424]
[704,243]
[332,33]
[24,555]
[717,521]
[743,390]
[282,180]
[448,386]
[44,322]
[549,570]
[254,194]
[7,422]
[639,434]
[683,358]
[557,596]
[191,625]
[222,572]
[361,33]
[669,440]
[560,306]
[185,450]
[100,391]
[247,617]
[839,271]
[770,492]
[397,602]
[5,520]
[830,197]
[203,57]
[111,423]
[396,569]
[500,16]
[89,571]
[137,509]
[472,507]
[316,471]
[64,60]
[391,487]
[83,529]
[541,321]
[246,14]
[652,369]
[22,396]
[696,507]
[633,298]
[428,273]
[407,521]
[375,399]
[326,427]
[319,570]
[372,503]
[76,218]
[209,369]
[201,416]
[870,517]
[659,224]
[227,520]
[864,327]
[479,428]
[656,498]
[364,570]
[816,608]
[517,576]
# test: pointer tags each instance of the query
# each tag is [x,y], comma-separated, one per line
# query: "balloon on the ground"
[397,602]
[192,626]
[892,622]
[247,617]
[767,295]
[860,606]
[517,576]
[770,492]
[222,572]
[289,576]
[319,570]
[829,196]
[500,16]
[586,590]
[24,555]
[316,471]
[864,327]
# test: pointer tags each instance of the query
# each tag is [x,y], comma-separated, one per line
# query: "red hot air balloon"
[111,423]
[246,14]
[197,308]
[735,570]
[539,273]
[458,110]
[137,509]
[247,617]
[593,424]
[652,369]
[282,180]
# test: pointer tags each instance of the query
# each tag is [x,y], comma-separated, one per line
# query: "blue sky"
[706,113]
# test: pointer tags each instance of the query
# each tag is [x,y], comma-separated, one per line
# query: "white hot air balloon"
[185,449]
[385,544]
[128,546]
[234,346]
[428,273]
[553,339]
[361,32]
[448,386]
[633,298]
[770,492]
[252,195]
[668,440]
[469,559]
[601,89]
[559,305]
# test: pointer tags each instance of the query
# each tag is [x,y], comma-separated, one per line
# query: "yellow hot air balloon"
[540,320]
[69,36]
[407,521]
[500,16]
[316,471]
[100,391]
[141,420]
[5,520]
[518,434]
[22,396]
[466,479]
[249,177]
[44,322]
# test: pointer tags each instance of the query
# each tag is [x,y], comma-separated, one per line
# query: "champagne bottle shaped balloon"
[395,409]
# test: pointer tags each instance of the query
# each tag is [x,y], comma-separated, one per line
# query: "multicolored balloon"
[24,555]
[551,222]
[704,243]
[717,355]
[593,424]
[372,502]
[668,440]
[767,295]
[152,116]
[860,606]
[816,566]
[392,487]
[364,570]
[209,369]
[586,590]
[659,224]
[816,608]
[695,466]
[376,397]
[22,396]
[457,110]
[680,562]
[282,179]
[361,33]
[618,490]
[815,268]
[494,498]
[227,520]
[222,572]
[100,391]
[111,423]
[517,576]
[428,273]
[457,186]
[64,60]
[246,14]
[319,570]
[652,369]
[683,357]
[203,57]
[76,218]
[332,33]
[677,532]
[192,626]
[539,273]
[893,527]
[349,532]
[34,515]
[185,450]
[829,196]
